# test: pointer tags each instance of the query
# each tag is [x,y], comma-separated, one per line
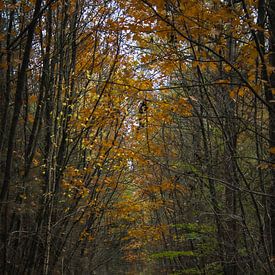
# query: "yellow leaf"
[222,81]
[227,68]
[195,64]
[31,118]
[232,94]
[242,91]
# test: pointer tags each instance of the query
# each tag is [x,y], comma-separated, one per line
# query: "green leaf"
[172,254]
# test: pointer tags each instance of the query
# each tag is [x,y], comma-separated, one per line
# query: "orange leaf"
[272,150]
[32,98]
[2,6]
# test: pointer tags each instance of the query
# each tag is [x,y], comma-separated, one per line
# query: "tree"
[137,136]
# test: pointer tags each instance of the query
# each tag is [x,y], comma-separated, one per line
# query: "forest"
[137,137]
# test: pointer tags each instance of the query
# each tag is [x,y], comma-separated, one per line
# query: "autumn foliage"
[137,136]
